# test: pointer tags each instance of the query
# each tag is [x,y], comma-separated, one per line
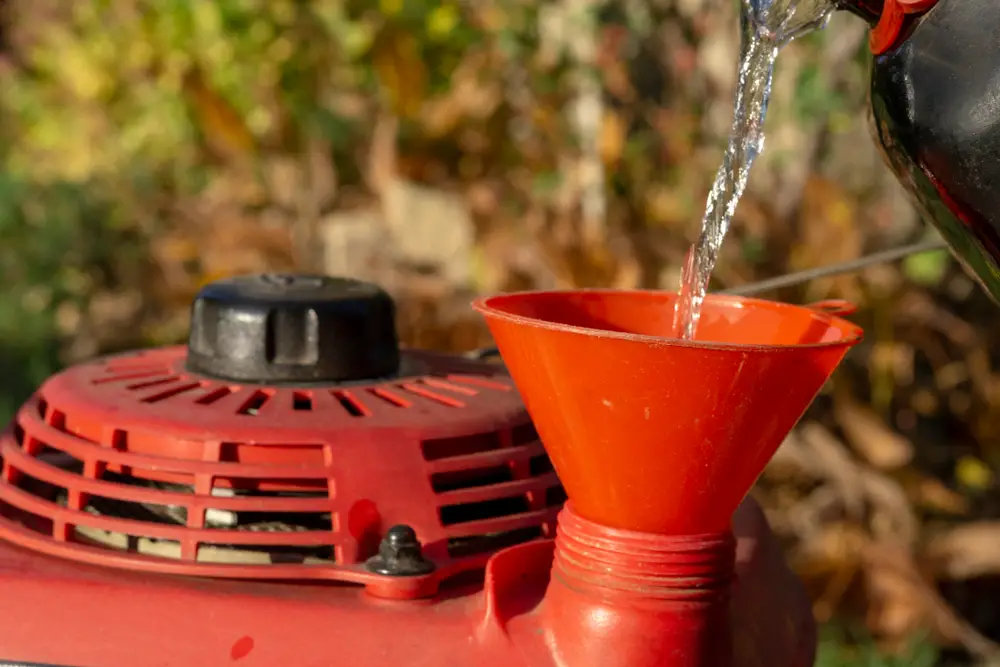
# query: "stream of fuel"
[766,26]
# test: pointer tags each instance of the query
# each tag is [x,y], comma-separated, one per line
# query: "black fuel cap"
[279,328]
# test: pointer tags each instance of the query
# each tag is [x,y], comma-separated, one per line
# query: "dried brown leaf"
[223,129]
[612,139]
[829,563]
[930,493]
[863,493]
[902,601]
[831,456]
[871,437]
[965,552]
[470,97]
[897,597]
[401,70]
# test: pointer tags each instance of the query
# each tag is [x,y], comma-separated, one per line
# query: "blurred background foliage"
[445,148]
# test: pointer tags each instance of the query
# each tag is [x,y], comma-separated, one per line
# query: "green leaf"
[927,268]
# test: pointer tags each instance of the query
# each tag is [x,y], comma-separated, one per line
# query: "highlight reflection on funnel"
[654,434]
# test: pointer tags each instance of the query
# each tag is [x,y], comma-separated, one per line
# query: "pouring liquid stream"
[765,26]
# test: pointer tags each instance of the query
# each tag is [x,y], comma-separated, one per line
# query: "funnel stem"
[628,599]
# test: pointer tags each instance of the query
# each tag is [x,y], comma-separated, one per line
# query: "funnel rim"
[853,336]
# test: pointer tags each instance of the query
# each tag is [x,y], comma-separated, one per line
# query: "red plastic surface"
[448,450]
[75,615]
[894,18]
[625,599]
[654,434]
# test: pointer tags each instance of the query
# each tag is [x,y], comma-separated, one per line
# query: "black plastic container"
[935,104]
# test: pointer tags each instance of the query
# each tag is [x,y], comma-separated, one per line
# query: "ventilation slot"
[424,392]
[443,448]
[472,545]
[240,554]
[393,399]
[438,383]
[555,496]
[39,489]
[253,404]
[443,482]
[479,382]
[169,515]
[214,395]
[283,522]
[145,546]
[487,509]
[351,404]
[540,465]
[170,393]
[302,401]
[524,434]
[126,479]
[59,459]
[152,383]
[56,419]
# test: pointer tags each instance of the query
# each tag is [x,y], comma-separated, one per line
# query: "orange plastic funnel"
[651,433]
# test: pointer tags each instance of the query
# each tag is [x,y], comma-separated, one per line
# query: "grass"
[839,647]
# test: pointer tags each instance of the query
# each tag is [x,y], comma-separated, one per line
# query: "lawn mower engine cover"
[290,488]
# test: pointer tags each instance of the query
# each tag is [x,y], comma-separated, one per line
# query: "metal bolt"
[400,555]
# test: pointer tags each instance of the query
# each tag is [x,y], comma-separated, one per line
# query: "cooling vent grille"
[158,378]
[493,489]
[99,491]
[85,476]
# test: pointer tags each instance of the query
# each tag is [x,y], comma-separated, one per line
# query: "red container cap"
[655,434]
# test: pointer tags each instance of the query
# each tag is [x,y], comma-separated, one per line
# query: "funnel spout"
[653,434]
[625,599]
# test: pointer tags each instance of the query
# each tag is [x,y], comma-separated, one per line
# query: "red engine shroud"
[447,450]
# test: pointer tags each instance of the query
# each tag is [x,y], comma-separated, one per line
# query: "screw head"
[400,554]
[401,537]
